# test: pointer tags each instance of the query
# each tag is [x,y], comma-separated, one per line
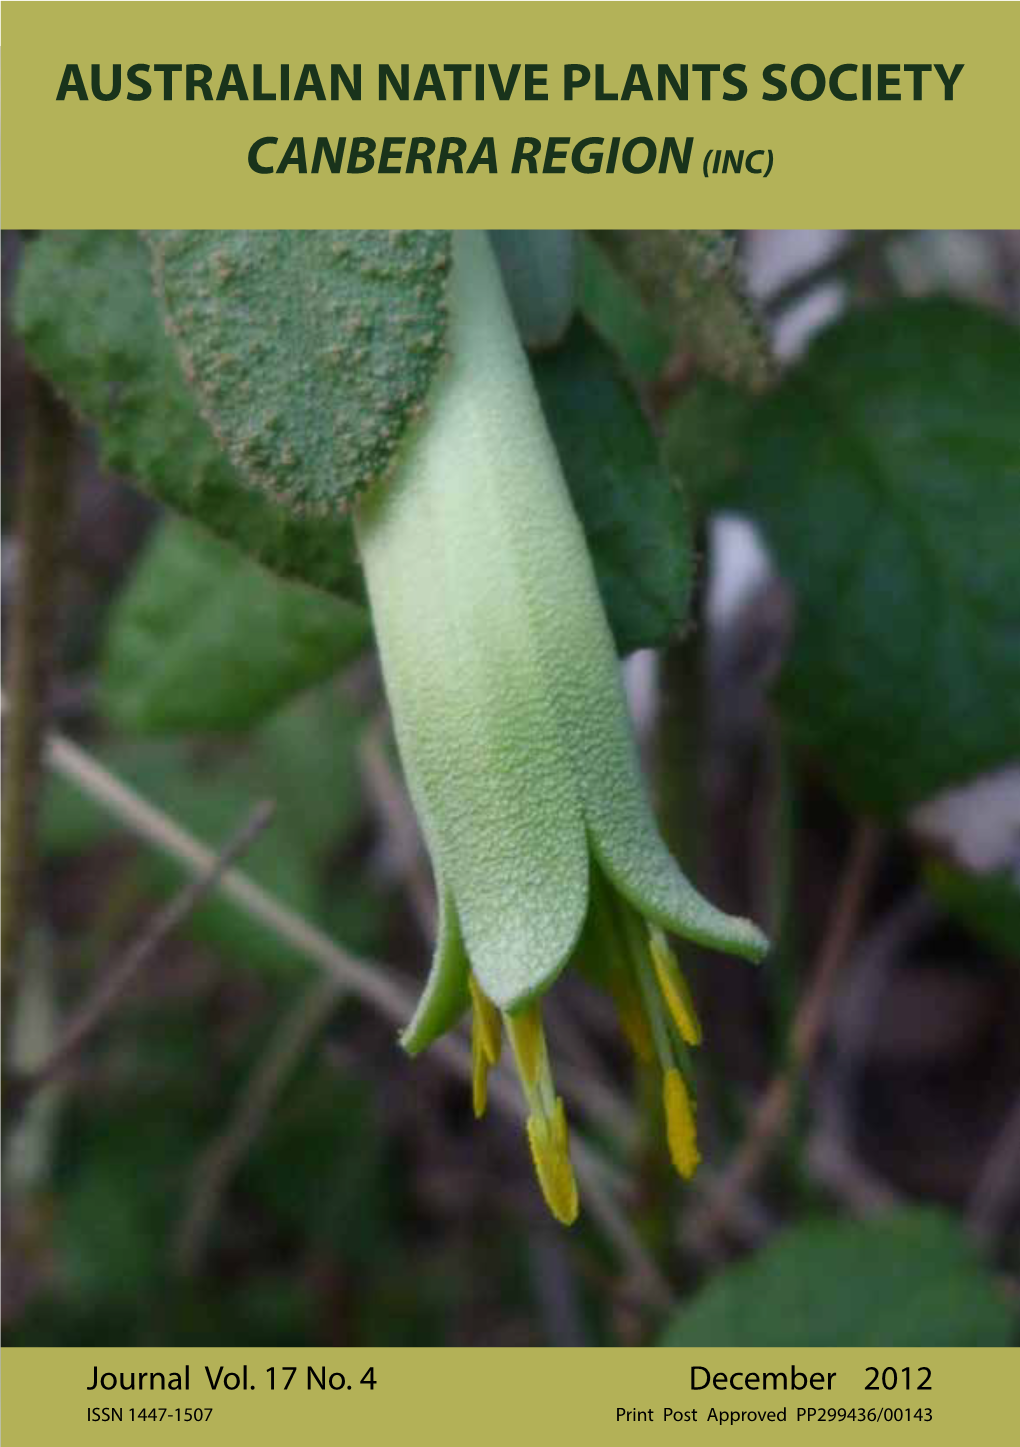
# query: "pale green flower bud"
[514,733]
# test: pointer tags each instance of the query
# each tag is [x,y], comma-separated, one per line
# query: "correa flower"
[516,742]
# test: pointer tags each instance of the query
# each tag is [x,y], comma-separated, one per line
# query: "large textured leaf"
[312,351]
[631,507]
[885,474]
[202,638]
[909,1280]
[91,323]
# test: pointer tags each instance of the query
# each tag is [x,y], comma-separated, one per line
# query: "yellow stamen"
[485,1017]
[674,989]
[479,1070]
[528,1040]
[680,1129]
[551,1154]
[632,1019]
[547,1120]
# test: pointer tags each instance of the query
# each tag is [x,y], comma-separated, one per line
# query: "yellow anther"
[674,989]
[528,1040]
[550,1152]
[680,1129]
[632,1019]
[558,1128]
[485,1019]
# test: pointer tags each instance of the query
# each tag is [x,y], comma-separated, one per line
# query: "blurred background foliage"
[797,460]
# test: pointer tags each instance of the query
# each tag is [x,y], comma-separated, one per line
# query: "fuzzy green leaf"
[91,323]
[909,1280]
[312,352]
[203,639]
[692,281]
[885,474]
[612,305]
[630,506]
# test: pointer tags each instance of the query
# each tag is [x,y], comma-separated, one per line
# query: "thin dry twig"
[833,1163]
[93,1014]
[858,250]
[259,1094]
[149,823]
[831,1154]
[996,1196]
[771,1116]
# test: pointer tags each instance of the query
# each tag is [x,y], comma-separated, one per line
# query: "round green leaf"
[885,473]
[311,351]
[906,1280]
[91,323]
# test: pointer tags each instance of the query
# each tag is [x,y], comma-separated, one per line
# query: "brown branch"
[771,1116]
[831,1154]
[42,511]
[94,1012]
[856,253]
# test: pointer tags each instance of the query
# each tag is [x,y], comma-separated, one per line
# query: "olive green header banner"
[310,115]
[506,1396]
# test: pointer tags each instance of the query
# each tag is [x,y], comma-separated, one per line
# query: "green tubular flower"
[515,738]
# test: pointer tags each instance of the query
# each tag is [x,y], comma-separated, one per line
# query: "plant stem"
[997,1192]
[42,511]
